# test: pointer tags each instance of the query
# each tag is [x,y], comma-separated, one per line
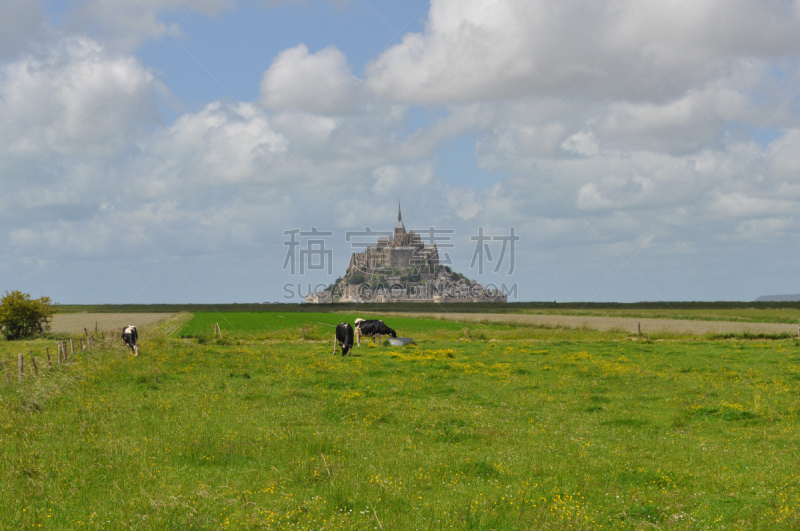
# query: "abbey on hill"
[405,252]
[403,268]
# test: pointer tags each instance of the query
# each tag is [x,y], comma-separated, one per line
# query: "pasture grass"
[516,430]
[253,326]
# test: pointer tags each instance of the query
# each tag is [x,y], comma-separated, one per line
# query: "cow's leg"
[334,346]
[358,336]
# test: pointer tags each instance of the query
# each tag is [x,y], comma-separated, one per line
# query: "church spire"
[399,229]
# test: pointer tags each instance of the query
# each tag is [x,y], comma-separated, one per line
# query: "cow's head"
[393,334]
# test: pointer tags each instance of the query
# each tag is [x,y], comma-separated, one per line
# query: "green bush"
[22,317]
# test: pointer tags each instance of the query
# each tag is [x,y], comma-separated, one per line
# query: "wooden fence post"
[21,366]
[33,362]
[5,371]
[640,328]
[467,331]
[95,327]
[71,348]
[49,361]
[304,331]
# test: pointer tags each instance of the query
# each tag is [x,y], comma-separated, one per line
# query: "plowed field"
[670,326]
[76,322]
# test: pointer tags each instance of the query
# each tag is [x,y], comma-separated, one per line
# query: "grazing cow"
[344,337]
[130,336]
[372,328]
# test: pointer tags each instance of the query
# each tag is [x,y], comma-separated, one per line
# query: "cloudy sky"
[158,150]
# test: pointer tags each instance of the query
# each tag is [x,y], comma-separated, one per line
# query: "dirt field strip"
[630,324]
[76,322]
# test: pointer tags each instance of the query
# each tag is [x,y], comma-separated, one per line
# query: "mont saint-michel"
[405,268]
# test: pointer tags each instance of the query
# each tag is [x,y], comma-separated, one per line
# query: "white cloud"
[219,145]
[582,143]
[399,180]
[317,83]
[476,50]
[93,101]
[737,205]
[762,231]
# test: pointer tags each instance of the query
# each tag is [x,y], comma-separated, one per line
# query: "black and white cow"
[130,336]
[372,328]
[344,337]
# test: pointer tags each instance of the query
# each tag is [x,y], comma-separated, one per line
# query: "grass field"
[320,326]
[517,427]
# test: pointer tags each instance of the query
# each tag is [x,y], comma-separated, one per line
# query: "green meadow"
[502,427]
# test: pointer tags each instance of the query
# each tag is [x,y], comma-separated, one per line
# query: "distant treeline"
[456,307]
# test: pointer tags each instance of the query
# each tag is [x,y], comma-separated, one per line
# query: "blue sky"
[236,47]
[642,150]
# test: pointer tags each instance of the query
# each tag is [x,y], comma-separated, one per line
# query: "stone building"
[404,251]
[404,268]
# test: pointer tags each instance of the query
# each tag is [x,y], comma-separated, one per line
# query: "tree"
[22,317]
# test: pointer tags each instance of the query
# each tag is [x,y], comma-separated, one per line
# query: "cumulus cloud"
[479,50]
[318,83]
[581,143]
[216,146]
[77,96]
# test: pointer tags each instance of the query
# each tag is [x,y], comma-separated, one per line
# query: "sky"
[170,150]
